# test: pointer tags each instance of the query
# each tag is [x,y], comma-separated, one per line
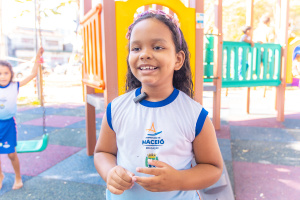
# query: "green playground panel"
[244,66]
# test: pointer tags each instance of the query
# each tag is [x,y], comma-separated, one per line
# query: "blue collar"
[5,86]
[162,103]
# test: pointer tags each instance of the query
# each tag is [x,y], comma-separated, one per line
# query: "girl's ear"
[180,56]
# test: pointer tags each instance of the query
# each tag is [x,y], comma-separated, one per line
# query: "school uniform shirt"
[163,130]
[8,109]
[8,100]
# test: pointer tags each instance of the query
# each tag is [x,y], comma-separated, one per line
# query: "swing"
[30,146]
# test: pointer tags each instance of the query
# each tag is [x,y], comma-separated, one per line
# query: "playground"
[260,144]
[260,153]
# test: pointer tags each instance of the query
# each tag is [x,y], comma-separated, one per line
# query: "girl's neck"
[156,94]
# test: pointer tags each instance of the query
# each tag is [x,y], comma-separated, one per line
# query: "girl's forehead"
[4,68]
[150,27]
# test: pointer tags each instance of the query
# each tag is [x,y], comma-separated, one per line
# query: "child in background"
[296,66]
[146,147]
[247,30]
[8,108]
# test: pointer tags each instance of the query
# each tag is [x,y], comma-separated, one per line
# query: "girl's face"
[152,56]
[5,75]
[249,32]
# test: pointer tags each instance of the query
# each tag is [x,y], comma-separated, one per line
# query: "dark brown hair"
[182,79]
[7,64]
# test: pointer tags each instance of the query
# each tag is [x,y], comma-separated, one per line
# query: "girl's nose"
[145,55]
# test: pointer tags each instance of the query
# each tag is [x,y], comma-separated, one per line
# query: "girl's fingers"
[130,173]
[114,190]
[150,171]
[157,163]
[124,174]
[120,179]
[119,184]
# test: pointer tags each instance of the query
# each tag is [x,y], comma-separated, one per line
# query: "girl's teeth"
[145,68]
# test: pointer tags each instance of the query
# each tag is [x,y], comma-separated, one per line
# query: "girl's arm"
[37,65]
[117,178]
[207,171]
[249,41]
[208,159]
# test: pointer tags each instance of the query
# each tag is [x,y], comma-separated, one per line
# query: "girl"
[8,107]
[150,135]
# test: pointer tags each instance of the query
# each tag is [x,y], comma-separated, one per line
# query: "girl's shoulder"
[124,97]
[188,101]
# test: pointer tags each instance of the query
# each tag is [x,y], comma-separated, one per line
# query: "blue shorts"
[8,136]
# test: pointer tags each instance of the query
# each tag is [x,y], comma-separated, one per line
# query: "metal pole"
[39,75]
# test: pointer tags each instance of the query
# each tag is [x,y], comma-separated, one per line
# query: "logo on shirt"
[151,156]
[153,131]
[153,139]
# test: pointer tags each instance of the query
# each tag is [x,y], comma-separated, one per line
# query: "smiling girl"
[147,143]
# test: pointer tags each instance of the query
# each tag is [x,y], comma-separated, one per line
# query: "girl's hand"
[165,178]
[39,55]
[119,180]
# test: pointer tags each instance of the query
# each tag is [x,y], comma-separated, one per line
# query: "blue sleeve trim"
[200,121]
[108,115]
[18,85]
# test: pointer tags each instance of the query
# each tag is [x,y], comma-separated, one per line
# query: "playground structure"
[104,30]
[293,47]
[105,45]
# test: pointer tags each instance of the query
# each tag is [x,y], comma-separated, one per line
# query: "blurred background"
[55,24]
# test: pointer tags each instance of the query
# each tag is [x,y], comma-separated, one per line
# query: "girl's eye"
[157,48]
[135,49]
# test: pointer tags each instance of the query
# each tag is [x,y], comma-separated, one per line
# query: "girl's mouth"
[147,68]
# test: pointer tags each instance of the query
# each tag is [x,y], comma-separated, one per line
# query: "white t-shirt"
[162,130]
[8,100]
[262,33]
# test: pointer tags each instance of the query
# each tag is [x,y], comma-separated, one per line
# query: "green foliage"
[45,12]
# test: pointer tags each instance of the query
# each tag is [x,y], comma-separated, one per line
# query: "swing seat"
[31,146]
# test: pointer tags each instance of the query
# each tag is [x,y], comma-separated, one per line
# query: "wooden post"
[283,41]
[89,110]
[90,117]
[249,22]
[109,50]
[199,7]
[218,65]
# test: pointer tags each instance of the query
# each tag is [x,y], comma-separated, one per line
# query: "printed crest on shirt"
[151,156]
[2,101]
[153,139]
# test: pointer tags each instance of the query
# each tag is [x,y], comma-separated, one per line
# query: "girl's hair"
[7,64]
[182,79]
